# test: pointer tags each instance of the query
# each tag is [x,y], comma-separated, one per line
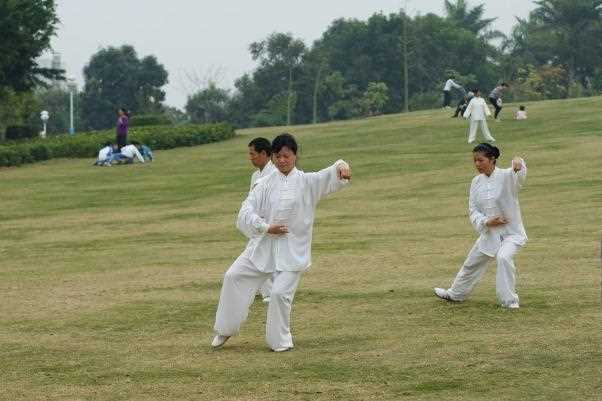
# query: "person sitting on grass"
[127,155]
[104,154]
[521,114]
[146,152]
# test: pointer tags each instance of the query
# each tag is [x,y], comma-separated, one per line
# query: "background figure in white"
[477,111]
[495,215]
[449,84]
[277,217]
[260,155]
[521,114]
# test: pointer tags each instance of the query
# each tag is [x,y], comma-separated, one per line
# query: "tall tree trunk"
[290,96]
[315,100]
[404,43]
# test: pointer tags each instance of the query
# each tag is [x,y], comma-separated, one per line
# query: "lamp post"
[44,115]
[72,88]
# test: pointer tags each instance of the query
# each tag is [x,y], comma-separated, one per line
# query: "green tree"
[569,35]
[209,105]
[460,13]
[116,77]
[375,98]
[26,28]
[280,51]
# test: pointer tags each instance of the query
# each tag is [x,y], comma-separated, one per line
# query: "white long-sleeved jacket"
[497,195]
[289,200]
[477,109]
[267,170]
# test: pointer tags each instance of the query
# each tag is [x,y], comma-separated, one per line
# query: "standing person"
[123,121]
[260,154]
[278,217]
[495,97]
[495,215]
[449,84]
[478,111]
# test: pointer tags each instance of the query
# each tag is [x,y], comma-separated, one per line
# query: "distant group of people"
[120,152]
[473,107]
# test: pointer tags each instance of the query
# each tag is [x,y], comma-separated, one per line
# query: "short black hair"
[476,90]
[521,107]
[135,143]
[261,145]
[283,140]
[505,84]
[107,144]
[490,151]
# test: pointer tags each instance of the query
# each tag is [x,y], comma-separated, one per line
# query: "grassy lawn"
[110,276]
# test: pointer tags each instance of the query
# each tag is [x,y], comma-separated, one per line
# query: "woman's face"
[120,113]
[285,160]
[483,164]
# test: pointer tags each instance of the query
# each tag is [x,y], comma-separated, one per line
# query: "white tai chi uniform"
[276,199]
[266,287]
[478,111]
[496,195]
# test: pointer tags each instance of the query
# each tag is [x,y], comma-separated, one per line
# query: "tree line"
[385,64]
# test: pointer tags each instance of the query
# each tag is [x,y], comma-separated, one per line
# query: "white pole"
[71,128]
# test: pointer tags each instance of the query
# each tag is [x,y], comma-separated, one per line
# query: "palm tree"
[471,18]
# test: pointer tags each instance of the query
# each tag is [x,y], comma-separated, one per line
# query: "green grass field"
[110,277]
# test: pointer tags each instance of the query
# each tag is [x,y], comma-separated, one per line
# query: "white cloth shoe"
[282,349]
[443,294]
[266,300]
[513,305]
[219,340]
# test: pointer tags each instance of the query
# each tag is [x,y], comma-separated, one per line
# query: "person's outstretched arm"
[248,221]
[328,180]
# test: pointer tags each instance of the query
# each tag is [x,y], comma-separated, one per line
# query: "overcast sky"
[204,37]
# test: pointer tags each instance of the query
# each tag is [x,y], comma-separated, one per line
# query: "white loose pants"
[241,282]
[474,126]
[266,288]
[475,266]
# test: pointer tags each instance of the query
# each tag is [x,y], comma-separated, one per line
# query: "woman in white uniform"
[495,214]
[277,217]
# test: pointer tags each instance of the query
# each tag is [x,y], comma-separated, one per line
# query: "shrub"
[145,120]
[87,145]
[17,132]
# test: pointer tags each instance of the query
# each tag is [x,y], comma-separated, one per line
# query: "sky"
[210,39]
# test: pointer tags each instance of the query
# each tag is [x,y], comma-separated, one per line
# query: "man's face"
[258,159]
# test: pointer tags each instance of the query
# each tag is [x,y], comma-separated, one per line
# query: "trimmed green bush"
[87,144]
[145,120]
[18,132]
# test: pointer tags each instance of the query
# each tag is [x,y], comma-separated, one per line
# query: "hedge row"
[86,145]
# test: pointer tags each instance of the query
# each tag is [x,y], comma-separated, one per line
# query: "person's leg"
[469,275]
[446,98]
[472,130]
[505,279]
[486,132]
[266,288]
[240,285]
[278,332]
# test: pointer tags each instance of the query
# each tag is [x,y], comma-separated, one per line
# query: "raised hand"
[517,164]
[344,173]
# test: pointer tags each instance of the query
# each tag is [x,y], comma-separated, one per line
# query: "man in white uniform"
[477,111]
[260,155]
[449,84]
[277,217]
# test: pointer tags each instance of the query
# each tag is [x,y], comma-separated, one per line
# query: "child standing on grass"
[478,111]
